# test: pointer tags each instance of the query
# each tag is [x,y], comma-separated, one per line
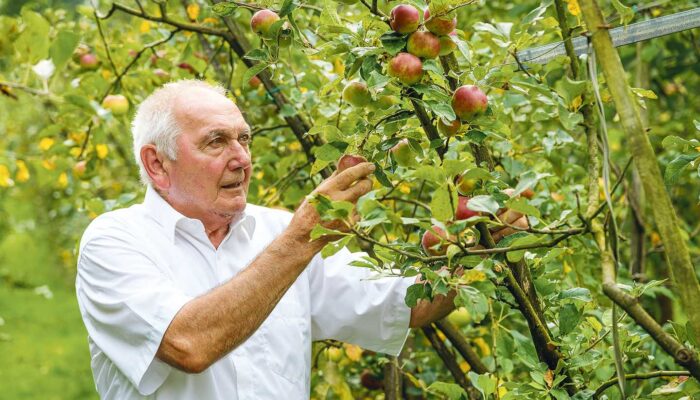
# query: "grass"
[43,343]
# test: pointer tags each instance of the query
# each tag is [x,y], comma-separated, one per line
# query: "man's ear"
[155,165]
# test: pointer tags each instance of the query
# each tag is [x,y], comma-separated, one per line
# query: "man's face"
[209,180]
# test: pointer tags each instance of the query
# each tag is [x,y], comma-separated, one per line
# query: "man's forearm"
[210,326]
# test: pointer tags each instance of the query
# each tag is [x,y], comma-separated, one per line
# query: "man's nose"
[239,156]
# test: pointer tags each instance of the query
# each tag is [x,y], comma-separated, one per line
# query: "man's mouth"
[232,185]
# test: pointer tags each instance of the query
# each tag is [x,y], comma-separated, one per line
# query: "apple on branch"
[262,21]
[357,94]
[435,241]
[469,101]
[441,25]
[423,44]
[116,103]
[406,67]
[349,160]
[404,18]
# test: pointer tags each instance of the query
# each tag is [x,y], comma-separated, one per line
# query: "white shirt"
[138,266]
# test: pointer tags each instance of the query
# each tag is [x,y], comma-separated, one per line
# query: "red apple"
[441,25]
[435,242]
[404,18]
[357,94]
[262,21]
[116,103]
[80,51]
[462,211]
[89,61]
[449,130]
[423,44]
[403,154]
[254,82]
[468,101]
[447,45]
[349,160]
[406,67]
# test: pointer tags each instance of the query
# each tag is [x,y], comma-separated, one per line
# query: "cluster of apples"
[262,22]
[436,240]
[405,19]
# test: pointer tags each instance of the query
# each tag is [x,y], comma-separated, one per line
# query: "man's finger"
[362,187]
[509,216]
[500,234]
[348,176]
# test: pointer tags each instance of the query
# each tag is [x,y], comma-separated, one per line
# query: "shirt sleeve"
[349,305]
[127,304]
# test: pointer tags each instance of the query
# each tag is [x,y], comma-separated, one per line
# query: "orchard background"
[537,319]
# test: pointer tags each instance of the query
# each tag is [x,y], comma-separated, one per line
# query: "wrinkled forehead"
[200,106]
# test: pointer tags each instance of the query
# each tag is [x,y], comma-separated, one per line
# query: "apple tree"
[532,191]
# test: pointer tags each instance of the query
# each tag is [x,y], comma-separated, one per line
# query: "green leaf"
[328,152]
[440,205]
[626,13]
[414,293]
[577,293]
[320,231]
[485,383]
[430,173]
[483,203]
[442,110]
[474,301]
[32,42]
[451,390]
[62,48]
[393,42]
[257,54]
[675,141]
[334,247]
[254,70]
[515,256]
[674,169]
[381,176]
[569,89]
[287,7]
[224,9]
[646,93]
[521,205]
[455,167]
[569,317]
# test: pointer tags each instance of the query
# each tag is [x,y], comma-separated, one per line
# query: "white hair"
[155,122]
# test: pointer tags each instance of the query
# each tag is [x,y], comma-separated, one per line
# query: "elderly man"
[195,294]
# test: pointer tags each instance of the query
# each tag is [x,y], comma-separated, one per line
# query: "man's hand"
[344,185]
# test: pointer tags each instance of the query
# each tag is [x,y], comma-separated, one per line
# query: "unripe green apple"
[116,103]
[465,186]
[357,94]
[404,18]
[447,45]
[349,160]
[435,244]
[334,354]
[385,102]
[441,25]
[463,211]
[449,130]
[423,44]
[403,154]
[89,61]
[468,101]
[406,67]
[262,21]
[460,317]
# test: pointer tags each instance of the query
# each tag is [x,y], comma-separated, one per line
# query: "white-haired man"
[195,294]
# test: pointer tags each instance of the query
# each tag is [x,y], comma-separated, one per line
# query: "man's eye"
[244,138]
[218,141]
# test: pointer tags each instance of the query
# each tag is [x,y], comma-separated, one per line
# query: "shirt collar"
[168,217]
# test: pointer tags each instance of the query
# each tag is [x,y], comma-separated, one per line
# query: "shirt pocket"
[286,334]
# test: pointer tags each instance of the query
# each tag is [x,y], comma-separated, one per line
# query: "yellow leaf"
[295,146]
[5,180]
[62,180]
[106,74]
[259,175]
[102,151]
[237,92]
[210,20]
[471,276]
[74,151]
[145,26]
[46,143]
[405,188]
[77,137]
[353,352]
[574,8]
[48,164]
[567,267]
[465,367]
[338,66]
[655,12]
[576,102]
[193,11]
[303,89]
[483,346]
[595,324]
[22,174]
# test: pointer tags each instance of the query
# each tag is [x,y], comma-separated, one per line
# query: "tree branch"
[648,375]
[467,352]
